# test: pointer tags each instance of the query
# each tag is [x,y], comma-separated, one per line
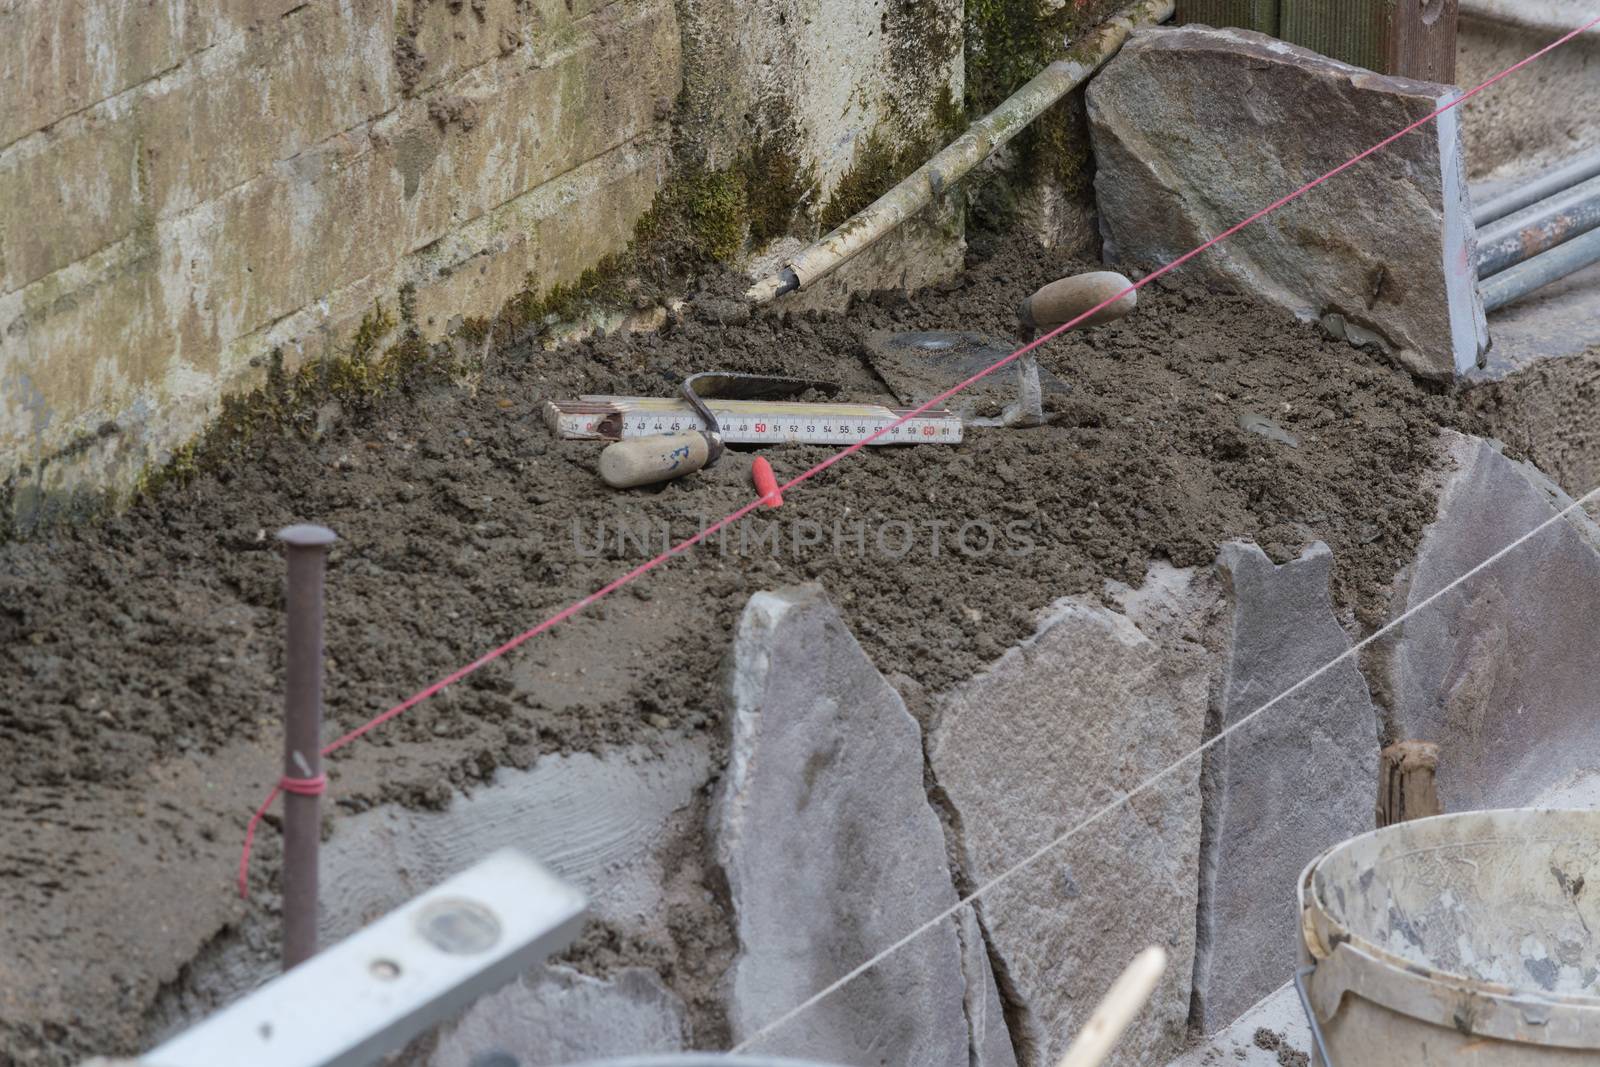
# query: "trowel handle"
[1124,1000]
[1066,298]
[658,458]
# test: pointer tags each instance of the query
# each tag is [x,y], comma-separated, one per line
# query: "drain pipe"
[930,180]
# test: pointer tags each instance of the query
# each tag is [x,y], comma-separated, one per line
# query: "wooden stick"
[1406,782]
[1122,1002]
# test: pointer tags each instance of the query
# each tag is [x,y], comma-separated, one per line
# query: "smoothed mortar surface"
[146,650]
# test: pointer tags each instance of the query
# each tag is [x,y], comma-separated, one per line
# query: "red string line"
[304,787]
[678,549]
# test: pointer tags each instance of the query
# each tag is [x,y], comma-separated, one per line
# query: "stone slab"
[1213,125]
[1578,790]
[596,821]
[1288,784]
[1094,703]
[989,1043]
[601,823]
[831,850]
[1500,670]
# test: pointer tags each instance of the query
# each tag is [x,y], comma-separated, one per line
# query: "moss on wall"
[357,378]
[704,213]
[889,154]
[701,217]
[776,182]
[1007,43]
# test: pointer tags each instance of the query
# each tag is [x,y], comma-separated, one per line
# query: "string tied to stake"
[301,787]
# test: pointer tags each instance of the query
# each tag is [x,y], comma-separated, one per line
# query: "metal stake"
[306,554]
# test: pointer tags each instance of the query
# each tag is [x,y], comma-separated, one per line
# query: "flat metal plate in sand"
[919,366]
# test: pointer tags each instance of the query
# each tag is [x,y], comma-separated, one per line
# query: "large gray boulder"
[1196,129]
[1095,702]
[832,852]
[1291,782]
[1500,671]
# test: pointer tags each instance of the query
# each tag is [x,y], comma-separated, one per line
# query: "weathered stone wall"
[187,189]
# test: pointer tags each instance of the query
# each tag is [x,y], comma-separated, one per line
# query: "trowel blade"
[920,366]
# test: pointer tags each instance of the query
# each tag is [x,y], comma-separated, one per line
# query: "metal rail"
[1539,227]
[1564,176]
[1516,282]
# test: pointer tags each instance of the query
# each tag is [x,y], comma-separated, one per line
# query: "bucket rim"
[1348,963]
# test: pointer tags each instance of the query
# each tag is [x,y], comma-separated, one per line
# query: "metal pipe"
[917,191]
[1540,227]
[1563,176]
[306,553]
[1513,284]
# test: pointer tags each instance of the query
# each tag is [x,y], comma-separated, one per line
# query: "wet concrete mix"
[141,657]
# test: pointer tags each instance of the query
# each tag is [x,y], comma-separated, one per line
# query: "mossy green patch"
[356,378]
[878,166]
[1010,41]
[775,184]
[888,157]
[701,216]
[706,211]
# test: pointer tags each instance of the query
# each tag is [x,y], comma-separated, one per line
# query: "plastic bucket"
[1468,940]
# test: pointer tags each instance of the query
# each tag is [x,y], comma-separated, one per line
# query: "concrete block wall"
[822,76]
[185,188]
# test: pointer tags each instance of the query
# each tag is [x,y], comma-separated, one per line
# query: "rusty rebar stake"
[306,554]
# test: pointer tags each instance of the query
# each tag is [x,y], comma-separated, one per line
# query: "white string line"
[1113,805]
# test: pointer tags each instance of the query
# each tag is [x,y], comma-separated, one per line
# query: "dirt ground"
[141,661]
[1547,413]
